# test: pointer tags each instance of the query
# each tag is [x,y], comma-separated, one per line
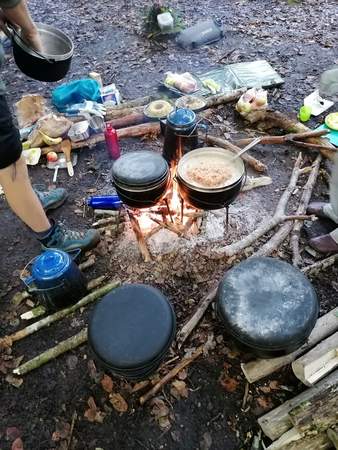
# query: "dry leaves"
[183,374]
[93,373]
[93,414]
[62,431]
[107,383]
[118,402]
[265,403]
[14,381]
[160,411]
[179,389]
[17,444]
[272,386]
[228,383]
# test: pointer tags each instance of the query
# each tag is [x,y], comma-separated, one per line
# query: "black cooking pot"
[141,178]
[268,306]
[51,65]
[210,198]
[131,330]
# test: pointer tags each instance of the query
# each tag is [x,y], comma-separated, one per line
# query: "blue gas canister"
[55,279]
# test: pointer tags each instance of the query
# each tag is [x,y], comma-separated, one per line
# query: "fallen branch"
[52,353]
[279,237]
[169,226]
[304,203]
[93,284]
[319,266]
[139,237]
[271,222]
[221,99]
[46,321]
[187,329]
[115,220]
[170,375]
[253,162]
[260,368]
[89,263]
[34,313]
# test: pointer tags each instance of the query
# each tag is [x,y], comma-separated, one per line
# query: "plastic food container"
[79,131]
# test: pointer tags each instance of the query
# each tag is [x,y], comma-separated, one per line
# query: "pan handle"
[10,32]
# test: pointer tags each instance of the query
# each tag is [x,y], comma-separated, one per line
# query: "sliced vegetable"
[331,121]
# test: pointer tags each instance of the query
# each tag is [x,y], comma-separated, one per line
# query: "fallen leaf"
[12,433]
[17,444]
[179,389]
[229,384]
[107,383]
[62,431]
[183,374]
[160,411]
[265,403]
[118,402]
[93,414]
[14,381]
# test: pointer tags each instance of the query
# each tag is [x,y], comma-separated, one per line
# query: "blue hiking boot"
[63,239]
[52,199]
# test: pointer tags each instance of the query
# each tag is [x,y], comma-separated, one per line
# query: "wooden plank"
[293,440]
[325,326]
[317,363]
[278,421]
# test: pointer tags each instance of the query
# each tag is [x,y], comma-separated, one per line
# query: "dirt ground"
[299,40]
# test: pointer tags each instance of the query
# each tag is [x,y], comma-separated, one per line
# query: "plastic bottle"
[104,202]
[112,142]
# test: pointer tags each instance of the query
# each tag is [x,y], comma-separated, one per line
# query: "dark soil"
[299,40]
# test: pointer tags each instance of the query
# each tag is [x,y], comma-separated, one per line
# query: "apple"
[52,157]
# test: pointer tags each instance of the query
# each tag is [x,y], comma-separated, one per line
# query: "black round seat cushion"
[131,329]
[268,305]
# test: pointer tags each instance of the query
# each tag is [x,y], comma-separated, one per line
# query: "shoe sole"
[56,205]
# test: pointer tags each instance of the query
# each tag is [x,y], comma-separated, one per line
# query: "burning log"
[219,142]
[260,368]
[278,421]
[139,237]
[317,363]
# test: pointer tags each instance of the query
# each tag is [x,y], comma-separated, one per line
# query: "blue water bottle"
[107,202]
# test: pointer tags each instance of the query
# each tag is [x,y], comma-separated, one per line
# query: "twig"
[304,203]
[170,375]
[93,284]
[279,237]
[46,321]
[319,266]
[245,397]
[70,437]
[33,313]
[139,237]
[187,329]
[89,263]
[168,225]
[52,353]
[110,220]
[270,223]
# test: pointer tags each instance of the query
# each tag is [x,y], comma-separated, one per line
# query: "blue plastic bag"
[75,92]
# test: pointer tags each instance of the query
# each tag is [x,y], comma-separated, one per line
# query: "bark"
[319,266]
[293,440]
[135,118]
[221,99]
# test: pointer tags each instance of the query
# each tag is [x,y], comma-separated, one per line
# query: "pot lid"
[131,327]
[182,117]
[210,168]
[50,264]
[140,168]
[267,303]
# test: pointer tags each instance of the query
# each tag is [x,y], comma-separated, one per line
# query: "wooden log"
[332,434]
[278,421]
[142,101]
[139,238]
[122,113]
[317,363]
[221,99]
[286,138]
[52,353]
[219,142]
[317,414]
[129,120]
[293,440]
[258,369]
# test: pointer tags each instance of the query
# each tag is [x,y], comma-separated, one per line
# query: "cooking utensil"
[51,65]
[79,131]
[61,163]
[66,147]
[246,148]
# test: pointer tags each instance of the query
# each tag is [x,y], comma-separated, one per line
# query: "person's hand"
[32,37]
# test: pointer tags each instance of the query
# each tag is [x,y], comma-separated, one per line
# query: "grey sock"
[42,235]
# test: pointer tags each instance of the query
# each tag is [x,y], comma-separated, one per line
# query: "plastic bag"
[76,92]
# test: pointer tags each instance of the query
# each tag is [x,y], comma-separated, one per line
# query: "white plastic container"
[165,22]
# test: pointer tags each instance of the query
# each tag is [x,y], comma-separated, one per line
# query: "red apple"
[52,157]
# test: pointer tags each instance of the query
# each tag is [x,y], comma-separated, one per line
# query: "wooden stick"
[221,99]
[169,226]
[187,329]
[269,223]
[135,118]
[93,284]
[170,375]
[285,139]
[139,237]
[293,440]
[110,220]
[278,421]
[279,237]
[319,266]
[304,203]
[88,263]
[318,362]
[46,321]
[253,162]
[52,353]
[258,369]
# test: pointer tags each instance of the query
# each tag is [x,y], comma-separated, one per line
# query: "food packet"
[184,82]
